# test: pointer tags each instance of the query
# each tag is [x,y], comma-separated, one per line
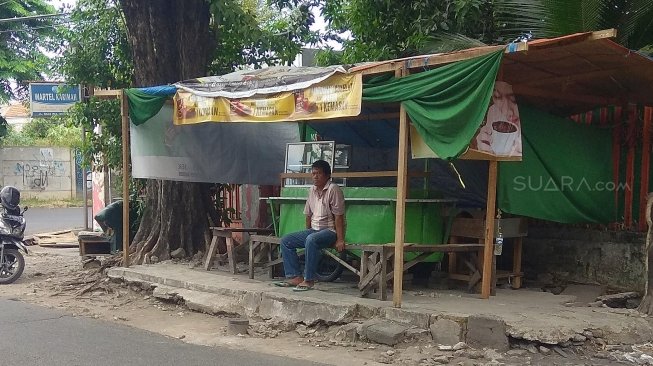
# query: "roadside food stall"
[446,97]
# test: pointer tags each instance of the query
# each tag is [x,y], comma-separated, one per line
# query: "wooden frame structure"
[400,68]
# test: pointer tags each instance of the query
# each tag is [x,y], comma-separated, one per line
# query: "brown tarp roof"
[563,75]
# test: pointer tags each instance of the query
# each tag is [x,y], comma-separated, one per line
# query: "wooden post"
[516,262]
[631,133]
[400,216]
[488,251]
[124,111]
[616,153]
[645,167]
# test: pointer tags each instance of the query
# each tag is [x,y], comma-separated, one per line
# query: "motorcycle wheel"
[329,270]
[13,267]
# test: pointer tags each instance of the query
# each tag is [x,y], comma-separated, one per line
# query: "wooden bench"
[513,230]
[375,263]
[262,253]
[226,234]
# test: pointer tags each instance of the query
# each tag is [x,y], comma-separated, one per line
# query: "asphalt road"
[33,336]
[44,220]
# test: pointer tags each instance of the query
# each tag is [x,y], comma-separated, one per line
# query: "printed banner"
[48,99]
[247,83]
[498,137]
[337,96]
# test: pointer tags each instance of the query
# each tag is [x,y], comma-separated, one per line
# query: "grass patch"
[53,203]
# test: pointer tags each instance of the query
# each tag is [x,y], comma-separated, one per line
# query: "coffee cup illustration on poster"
[500,133]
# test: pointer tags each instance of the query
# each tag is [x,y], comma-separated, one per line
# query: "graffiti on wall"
[36,173]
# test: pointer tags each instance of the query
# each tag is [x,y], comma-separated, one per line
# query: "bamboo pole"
[400,224]
[488,251]
[124,111]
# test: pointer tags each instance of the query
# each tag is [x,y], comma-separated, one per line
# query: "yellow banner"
[338,96]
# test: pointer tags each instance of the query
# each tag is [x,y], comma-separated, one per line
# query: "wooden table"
[226,233]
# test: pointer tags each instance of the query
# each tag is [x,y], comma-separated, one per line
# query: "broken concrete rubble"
[487,331]
[389,333]
[446,332]
[450,321]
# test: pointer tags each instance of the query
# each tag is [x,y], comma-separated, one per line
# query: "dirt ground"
[54,278]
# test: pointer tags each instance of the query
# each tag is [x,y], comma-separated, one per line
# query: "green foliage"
[103,141]
[257,34]
[96,51]
[22,44]
[633,19]
[37,128]
[392,29]
[44,132]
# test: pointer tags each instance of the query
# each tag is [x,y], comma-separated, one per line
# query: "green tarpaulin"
[446,105]
[143,105]
[566,173]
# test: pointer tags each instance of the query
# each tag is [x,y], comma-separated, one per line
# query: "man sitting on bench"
[325,225]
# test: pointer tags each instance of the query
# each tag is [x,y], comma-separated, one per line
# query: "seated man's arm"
[340,232]
[308,222]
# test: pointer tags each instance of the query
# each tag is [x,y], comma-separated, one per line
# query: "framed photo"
[301,155]
[343,156]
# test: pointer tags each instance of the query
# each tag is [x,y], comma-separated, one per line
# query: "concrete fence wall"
[39,172]
[616,259]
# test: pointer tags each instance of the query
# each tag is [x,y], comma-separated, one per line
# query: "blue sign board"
[48,99]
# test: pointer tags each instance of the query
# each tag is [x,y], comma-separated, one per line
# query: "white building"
[16,115]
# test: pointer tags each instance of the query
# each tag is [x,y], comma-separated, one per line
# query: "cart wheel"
[329,270]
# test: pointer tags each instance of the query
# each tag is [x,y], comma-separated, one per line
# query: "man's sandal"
[302,288]
[284,284]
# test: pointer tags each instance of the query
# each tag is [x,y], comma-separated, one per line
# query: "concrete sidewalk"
[527,314]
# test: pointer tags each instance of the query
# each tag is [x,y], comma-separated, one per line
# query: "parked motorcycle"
[12,232]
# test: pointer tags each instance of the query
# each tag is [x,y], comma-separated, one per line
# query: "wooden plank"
[488,251]
[602,34]
[424,61]
[253,243]
[213,248]
[516,262]
[265,239]
[421,248]
[645,166]
[225,230]
[365,255]
[107,94]
[342,263]
[400,216]
[124,111]
[231,255]
[383,275]
[371,275]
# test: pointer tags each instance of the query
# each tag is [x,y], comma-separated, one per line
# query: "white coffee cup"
[504,134]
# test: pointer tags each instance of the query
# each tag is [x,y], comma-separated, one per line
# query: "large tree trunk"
[170,41]
[647,302]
